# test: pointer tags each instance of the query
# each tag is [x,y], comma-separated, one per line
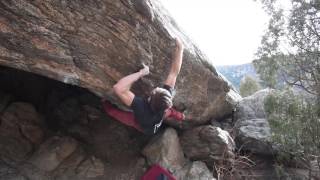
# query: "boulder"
[252,107]
[227,124]
[64,159]
[118,145]
[254,135]
[134,169]
[21,129]
[67,169]
[52,152]
[4,101]
[10,173]
[165,150]
[93,44]
[30,171]
[91,168]
[252,129]
[198,171]
[79,165]
[193,171]
[21,119]
[14,150]
[67,112]
[208,144]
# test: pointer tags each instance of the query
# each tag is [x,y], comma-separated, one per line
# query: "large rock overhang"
[92,44]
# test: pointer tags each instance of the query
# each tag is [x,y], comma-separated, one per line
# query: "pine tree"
[248,86]
[290,49]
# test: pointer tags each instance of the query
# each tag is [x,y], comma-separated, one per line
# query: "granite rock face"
[21,130]
[92,44]
[199,171]
[52,152]
[208,143]
[252,129]
[165,150]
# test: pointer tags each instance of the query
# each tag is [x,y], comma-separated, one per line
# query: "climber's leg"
[124,117]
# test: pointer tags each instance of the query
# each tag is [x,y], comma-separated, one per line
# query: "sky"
[227,31]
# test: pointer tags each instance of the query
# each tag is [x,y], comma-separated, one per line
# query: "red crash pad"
[157,172]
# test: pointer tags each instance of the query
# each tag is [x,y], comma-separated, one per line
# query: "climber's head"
[160,99]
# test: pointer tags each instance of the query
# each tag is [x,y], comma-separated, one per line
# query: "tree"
[294,122]
[290,49]
[248,86]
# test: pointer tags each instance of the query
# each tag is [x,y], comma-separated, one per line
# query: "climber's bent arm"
[122,87]
[176,64]
[125,96]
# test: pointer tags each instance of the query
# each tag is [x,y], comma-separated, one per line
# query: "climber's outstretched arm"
[122,87]
[176,64]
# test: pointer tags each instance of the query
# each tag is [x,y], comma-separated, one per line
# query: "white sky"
[227,31]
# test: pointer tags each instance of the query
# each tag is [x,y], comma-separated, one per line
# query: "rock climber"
[148,114]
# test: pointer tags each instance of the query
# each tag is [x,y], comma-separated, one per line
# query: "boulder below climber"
[252,128]
[209,144]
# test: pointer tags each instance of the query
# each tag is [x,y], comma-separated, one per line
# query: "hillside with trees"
[234,73]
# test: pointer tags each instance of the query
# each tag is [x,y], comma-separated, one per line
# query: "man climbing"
[148,114]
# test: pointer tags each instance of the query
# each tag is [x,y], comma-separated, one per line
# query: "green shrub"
[248,86]
[295,122]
